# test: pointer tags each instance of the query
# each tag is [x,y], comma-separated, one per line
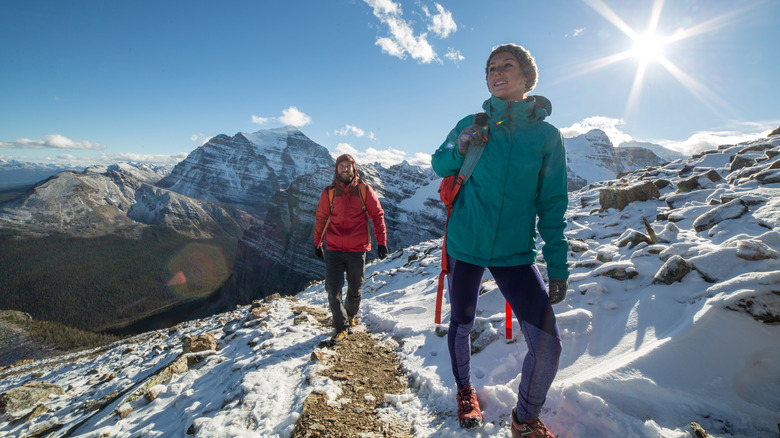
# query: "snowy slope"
[641,358]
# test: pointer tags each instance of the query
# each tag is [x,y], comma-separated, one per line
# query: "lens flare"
[197,270]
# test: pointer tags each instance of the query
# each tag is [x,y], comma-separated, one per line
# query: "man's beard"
[346,177]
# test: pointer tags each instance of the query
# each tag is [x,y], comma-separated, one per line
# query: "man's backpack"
[362,189]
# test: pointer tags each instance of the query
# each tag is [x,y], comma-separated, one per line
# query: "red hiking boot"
[529,429]
[469,414]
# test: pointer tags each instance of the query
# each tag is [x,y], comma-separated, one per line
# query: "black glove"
[558,288]
[318,252]
[381,251]
[473,135]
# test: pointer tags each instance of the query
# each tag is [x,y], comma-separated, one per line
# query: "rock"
[300,319]
[688,185]
[634,238]
[617,270]
[124,410]
[620,197]
[755,250]
[155,392]
[739,162]
[27,396]
[483,335]
[259,312]
[769,176]
[675,269]
[662,183]
[731,210]
[578,245]
[195,344]
[761,308]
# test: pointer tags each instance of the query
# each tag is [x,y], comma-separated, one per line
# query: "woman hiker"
[519,179]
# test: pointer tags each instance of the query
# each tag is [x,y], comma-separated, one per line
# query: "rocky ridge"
[117,199]
[247,170]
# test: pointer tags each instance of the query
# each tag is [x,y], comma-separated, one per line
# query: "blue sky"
[103,81]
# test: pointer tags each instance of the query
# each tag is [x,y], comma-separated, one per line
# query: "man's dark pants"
[337,263]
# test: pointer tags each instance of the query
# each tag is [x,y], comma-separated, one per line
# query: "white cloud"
[579,32]
[385,7]
[454,55]
[292,116]
[386,158]
[698,142]
[402,40]
[442,23]
[66,159]
[708,140]
[200,139]
[609,125]
[260,120]
[420,159]
[354,130]
[138,158]
[54,141]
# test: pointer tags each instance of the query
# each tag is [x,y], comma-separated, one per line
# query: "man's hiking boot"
[338,337]
[469,414]
[352,322]
[529,429]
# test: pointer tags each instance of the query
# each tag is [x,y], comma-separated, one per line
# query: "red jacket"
[348,228]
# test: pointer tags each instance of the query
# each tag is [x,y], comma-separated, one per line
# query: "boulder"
[27,396]
[620,197]
[195,344]
[675,269]
[730,210]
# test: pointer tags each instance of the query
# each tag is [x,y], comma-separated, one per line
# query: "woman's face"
[505,78]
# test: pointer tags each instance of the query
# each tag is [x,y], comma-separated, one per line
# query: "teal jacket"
[521,177]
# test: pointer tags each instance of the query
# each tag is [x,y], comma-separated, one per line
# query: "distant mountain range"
[253,193]
[15,173]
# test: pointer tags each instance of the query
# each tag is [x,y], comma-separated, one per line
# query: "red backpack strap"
[331,190]
[362,189]
[331,193]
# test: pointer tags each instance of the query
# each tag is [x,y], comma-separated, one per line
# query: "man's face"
[345,171]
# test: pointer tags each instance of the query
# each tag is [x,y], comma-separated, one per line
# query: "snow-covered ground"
[641,358]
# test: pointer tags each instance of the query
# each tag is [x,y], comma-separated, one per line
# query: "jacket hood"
[533,109]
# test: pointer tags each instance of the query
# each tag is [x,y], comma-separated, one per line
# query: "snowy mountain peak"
[598,137]
[247,169]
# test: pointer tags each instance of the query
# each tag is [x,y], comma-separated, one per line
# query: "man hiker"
[342,221]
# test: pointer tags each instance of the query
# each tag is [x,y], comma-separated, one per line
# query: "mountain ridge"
[260,189]
[658,286]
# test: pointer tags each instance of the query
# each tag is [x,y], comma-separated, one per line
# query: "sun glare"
[648,48]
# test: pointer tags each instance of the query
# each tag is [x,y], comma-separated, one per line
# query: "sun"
[648,48]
